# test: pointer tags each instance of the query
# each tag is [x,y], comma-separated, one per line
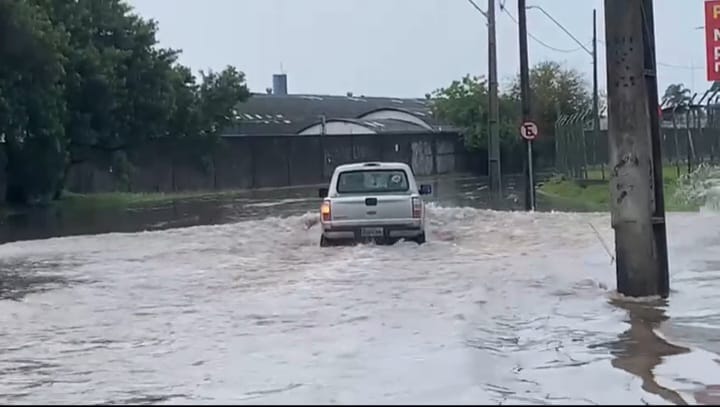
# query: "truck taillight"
[325,211]
[417,207]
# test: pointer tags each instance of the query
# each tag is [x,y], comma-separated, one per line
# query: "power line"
[666,65]
[568,51]
[562,27]
[539,41]
[691,68]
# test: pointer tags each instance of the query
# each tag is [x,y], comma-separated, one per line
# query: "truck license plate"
[371,232]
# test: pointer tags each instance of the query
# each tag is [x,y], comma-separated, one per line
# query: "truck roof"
[380,165]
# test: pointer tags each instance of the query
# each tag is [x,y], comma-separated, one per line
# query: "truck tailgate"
[367,208]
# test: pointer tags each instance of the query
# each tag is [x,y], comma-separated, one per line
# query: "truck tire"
[325,242]
[420,239]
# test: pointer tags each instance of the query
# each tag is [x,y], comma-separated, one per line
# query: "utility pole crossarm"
[483,12]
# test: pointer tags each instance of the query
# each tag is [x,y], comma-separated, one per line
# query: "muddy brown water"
[498,307]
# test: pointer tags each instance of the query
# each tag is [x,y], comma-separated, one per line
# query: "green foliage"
[465,104]
[88,75]
[553,88]
[32,109]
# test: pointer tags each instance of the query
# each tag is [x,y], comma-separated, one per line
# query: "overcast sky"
[402,48]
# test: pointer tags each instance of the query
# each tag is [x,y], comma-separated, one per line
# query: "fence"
[575,148]
[260,161]
[689,138]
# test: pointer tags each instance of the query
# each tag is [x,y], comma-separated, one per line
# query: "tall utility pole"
[494,169]
[636,190]
[525,97]
[596,96]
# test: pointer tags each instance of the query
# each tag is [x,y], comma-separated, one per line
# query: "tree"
[90,79]
[218,94]
[678,96]
[554,89]
[32,106]
[465,104]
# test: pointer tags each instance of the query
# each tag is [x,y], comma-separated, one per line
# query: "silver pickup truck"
[374,201]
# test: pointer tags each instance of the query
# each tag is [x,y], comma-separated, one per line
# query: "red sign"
[712,39]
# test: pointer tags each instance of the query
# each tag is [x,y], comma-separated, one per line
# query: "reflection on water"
[639,350]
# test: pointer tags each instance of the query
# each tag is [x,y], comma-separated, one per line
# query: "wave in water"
[701,187]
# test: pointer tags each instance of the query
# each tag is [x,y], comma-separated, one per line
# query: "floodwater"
[498,307]
[222,209]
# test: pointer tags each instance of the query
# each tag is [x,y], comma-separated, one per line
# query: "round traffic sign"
[529,130]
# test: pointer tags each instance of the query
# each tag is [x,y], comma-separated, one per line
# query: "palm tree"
[677,96]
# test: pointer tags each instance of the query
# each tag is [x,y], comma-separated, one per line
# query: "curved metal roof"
[264,114]
[377,126]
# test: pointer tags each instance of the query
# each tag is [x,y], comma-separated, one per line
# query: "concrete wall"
[234,164]
[445,155]
[264,161]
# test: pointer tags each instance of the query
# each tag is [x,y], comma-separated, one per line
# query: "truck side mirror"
[425,189]
[322,193]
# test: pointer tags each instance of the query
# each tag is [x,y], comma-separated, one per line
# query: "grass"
[560,192]
[137,199]
[129,199]
[594,194]
[9,210]
[111,200]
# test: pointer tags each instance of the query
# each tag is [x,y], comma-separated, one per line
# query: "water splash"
[701,187]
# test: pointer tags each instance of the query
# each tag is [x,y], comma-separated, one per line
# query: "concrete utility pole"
[596,96]
[525,99]
[636,190]
[494,169]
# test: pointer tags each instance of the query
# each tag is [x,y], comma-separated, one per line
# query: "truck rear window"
[372,181]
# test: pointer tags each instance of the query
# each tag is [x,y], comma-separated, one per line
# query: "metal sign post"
[529,132]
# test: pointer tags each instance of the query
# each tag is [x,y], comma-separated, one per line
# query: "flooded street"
[222,209]
[498,307]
